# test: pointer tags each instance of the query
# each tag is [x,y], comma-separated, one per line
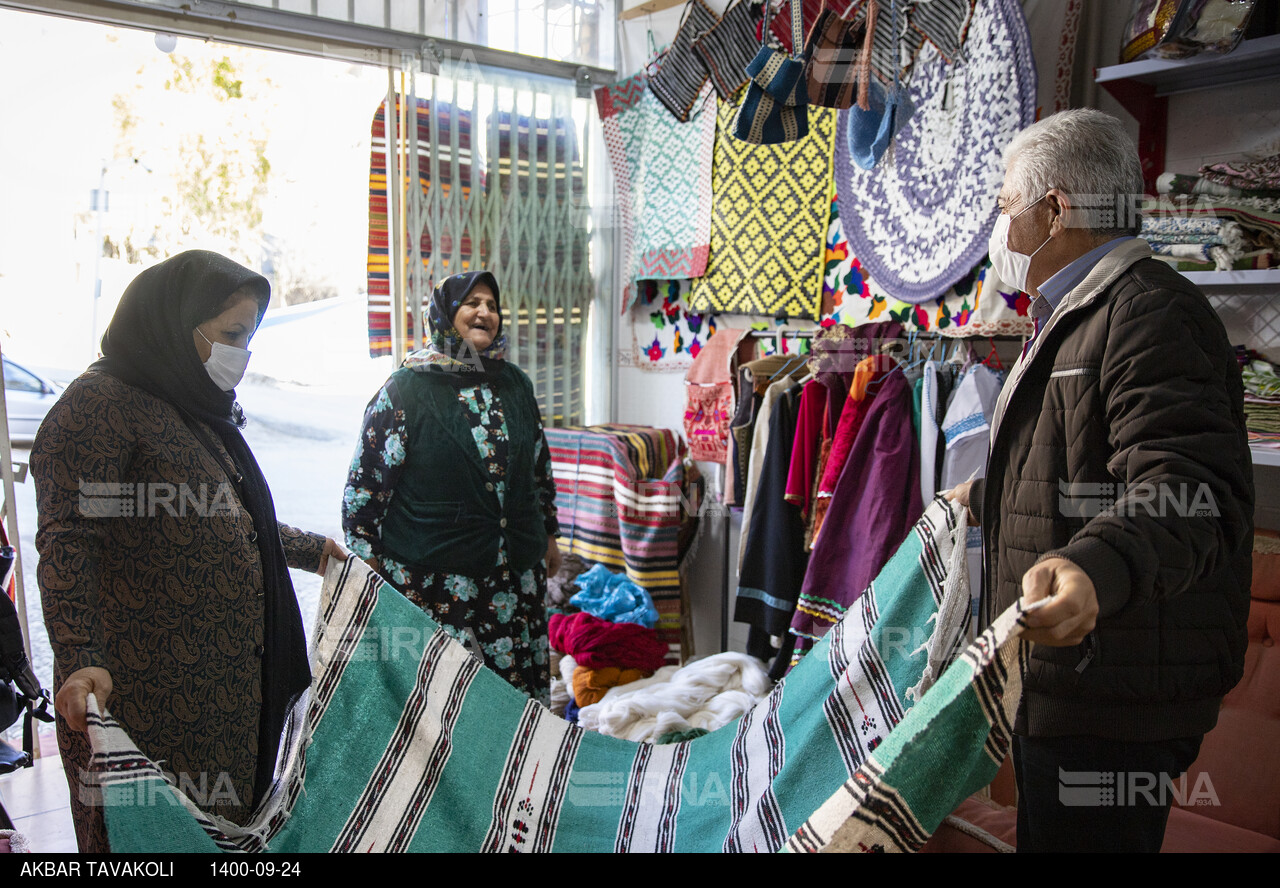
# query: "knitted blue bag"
[872,128]
[776,106]
[870,131]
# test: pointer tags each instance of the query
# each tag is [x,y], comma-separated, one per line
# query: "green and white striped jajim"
[409,744]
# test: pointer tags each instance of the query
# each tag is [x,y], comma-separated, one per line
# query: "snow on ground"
[308,382]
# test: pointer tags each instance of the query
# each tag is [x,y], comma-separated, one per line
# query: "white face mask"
[1011,266]
[226,365]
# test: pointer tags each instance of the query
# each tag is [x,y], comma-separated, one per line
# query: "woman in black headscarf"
[450,495]
[163,570]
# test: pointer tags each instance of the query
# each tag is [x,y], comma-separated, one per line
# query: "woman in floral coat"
[450,495]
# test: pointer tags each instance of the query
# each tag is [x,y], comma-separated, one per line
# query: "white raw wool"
[567,665]
[707,693]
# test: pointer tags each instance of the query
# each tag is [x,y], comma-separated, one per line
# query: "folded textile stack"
[611,641]
[705,694]
[1226,217]
[620,491]
[1261,401]
[1253,178]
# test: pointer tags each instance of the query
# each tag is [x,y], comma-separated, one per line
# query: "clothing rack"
[930,338]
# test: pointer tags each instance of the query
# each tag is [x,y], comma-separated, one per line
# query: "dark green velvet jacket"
[445,515]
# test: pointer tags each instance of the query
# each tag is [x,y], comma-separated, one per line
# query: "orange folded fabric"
[590,685]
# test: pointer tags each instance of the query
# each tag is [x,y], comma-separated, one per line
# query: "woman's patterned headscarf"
[446,350]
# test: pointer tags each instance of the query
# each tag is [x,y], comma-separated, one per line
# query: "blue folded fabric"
[613,597]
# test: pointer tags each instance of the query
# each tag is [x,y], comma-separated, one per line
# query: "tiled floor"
[37,801]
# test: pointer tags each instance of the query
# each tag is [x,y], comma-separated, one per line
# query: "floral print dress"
[499,617]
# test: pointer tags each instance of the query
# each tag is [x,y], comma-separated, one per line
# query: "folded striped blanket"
[407,743]
[620,496]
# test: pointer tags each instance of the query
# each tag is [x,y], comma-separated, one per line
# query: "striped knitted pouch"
[682,74]
[776,106]
[729,47]
[836,50]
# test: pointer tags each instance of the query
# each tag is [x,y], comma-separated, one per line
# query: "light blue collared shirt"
[1068,278]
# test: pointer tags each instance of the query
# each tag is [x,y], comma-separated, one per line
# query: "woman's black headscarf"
[447,352]
[149,345]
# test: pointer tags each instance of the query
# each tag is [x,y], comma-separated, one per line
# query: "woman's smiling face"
[477,320]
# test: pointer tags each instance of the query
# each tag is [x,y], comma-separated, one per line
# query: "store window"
[578,31]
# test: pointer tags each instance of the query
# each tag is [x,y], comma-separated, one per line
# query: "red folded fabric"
[597,643]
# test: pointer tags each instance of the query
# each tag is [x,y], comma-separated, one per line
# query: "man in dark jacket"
[1119,485]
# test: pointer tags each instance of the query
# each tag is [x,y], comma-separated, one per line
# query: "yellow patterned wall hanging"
[770,208]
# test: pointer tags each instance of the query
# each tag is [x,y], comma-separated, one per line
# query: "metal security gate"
[501,184]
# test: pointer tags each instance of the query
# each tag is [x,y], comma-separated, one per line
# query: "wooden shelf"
[1252,60]
[1266,277]
[1143,88]
[648,8]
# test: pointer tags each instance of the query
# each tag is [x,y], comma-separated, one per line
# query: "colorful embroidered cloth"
[663,172]
[451,758]
[665,334]
[769,219]
[920,221]
[620,495]
[709,403]
[979,304]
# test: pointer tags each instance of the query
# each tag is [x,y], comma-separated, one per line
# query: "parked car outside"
[28,397]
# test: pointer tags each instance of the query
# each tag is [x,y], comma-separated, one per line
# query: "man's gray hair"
[1086,154]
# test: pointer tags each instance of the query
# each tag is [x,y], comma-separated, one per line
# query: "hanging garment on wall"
[681,72]
[709,397]
[769,218]
[790,371]
[620,494]
[740,430]
[874,505]
[967,433]
[761,436]
[451,758]
[978,305]
[838,354]
[942,23]
[921,222]
[662,168]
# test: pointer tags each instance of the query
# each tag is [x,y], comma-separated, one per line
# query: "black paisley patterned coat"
[159,581]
